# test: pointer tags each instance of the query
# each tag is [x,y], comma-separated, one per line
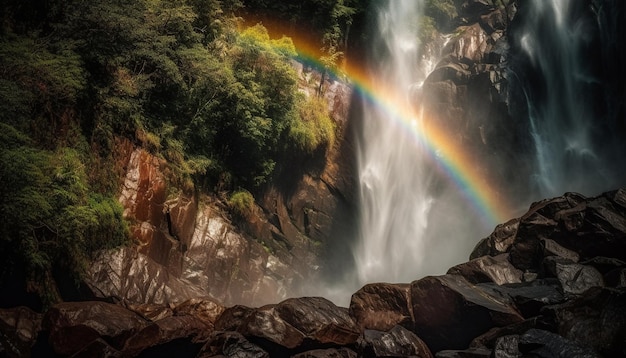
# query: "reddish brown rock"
[205,309]
[19,328]
[397,342]
[169,329]
[310,321]
[381,306]
[74,325]
[497,269]
[327,353]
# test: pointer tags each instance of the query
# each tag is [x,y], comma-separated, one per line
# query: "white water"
[562,125]
[411,224]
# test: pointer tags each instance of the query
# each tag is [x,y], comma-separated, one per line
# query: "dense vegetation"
[180,78]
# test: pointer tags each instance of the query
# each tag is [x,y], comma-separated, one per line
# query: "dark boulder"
[397,342]
[574,278]
[465,353]
[529,297]
[300,323]
[497,269]
[327,353]
[184,328]
[231,344]
[537,342]
[449,311]
[596,319]
[74,325]
[381,306]
[19,328]
[205,309]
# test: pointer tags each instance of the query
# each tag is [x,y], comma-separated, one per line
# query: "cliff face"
[189,245]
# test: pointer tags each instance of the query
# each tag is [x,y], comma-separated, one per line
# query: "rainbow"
[452,160]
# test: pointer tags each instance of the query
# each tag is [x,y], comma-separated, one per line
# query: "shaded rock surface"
[474,311]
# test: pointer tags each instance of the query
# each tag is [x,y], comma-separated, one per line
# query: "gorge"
[450,119]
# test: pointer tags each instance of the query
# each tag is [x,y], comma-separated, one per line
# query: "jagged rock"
[231,344]
[327,353]
[449,311]
[549,345]
[490,338]
[205,309]
[126,274]
[233,317]
[397,342]
[19,328]
[466,353]
[507,347]
[529,297]
[499,242]
[574,278]
[74,325]
[149,311]
[293,322]
[497,269]
[168,330]
[596,319]
[381,306]
[98,348]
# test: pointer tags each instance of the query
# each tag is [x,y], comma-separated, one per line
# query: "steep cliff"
[190,244]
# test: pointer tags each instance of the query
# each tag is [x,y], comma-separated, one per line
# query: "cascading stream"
[394,176]
[563,123]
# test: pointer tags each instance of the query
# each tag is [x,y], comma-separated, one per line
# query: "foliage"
[314,128]
[241,202]
[51,219]
[178,77]
[442,11]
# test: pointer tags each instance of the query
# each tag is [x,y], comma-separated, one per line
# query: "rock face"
[536,302]
[189,246]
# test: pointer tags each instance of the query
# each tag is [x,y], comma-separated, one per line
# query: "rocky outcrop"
[549,301]
[187,245]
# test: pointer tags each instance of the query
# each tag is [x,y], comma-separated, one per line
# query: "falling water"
[564,127]
[398,184]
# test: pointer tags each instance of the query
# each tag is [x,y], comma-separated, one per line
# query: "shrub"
[241,203]
[313,127]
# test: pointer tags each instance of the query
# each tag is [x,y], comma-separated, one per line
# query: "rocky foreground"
[549,284]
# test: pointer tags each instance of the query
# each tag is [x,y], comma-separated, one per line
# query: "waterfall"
[411,224]
[571,153]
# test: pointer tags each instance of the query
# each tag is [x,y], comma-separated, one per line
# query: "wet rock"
[167,330]
[327,353]
[552,248]
[98,348]
[529,297]
[233,317]
[319,319]
[596,319]
[507,347]
[397,342]
[149,311]
[449,311]
[466,353]
[498,242]
[550,345]
[74,325]
[126,274]
[497,269]
[490,338]
[381,306]
[19,328]
[309,321]
[574,278]
[231,344]
[205,309]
